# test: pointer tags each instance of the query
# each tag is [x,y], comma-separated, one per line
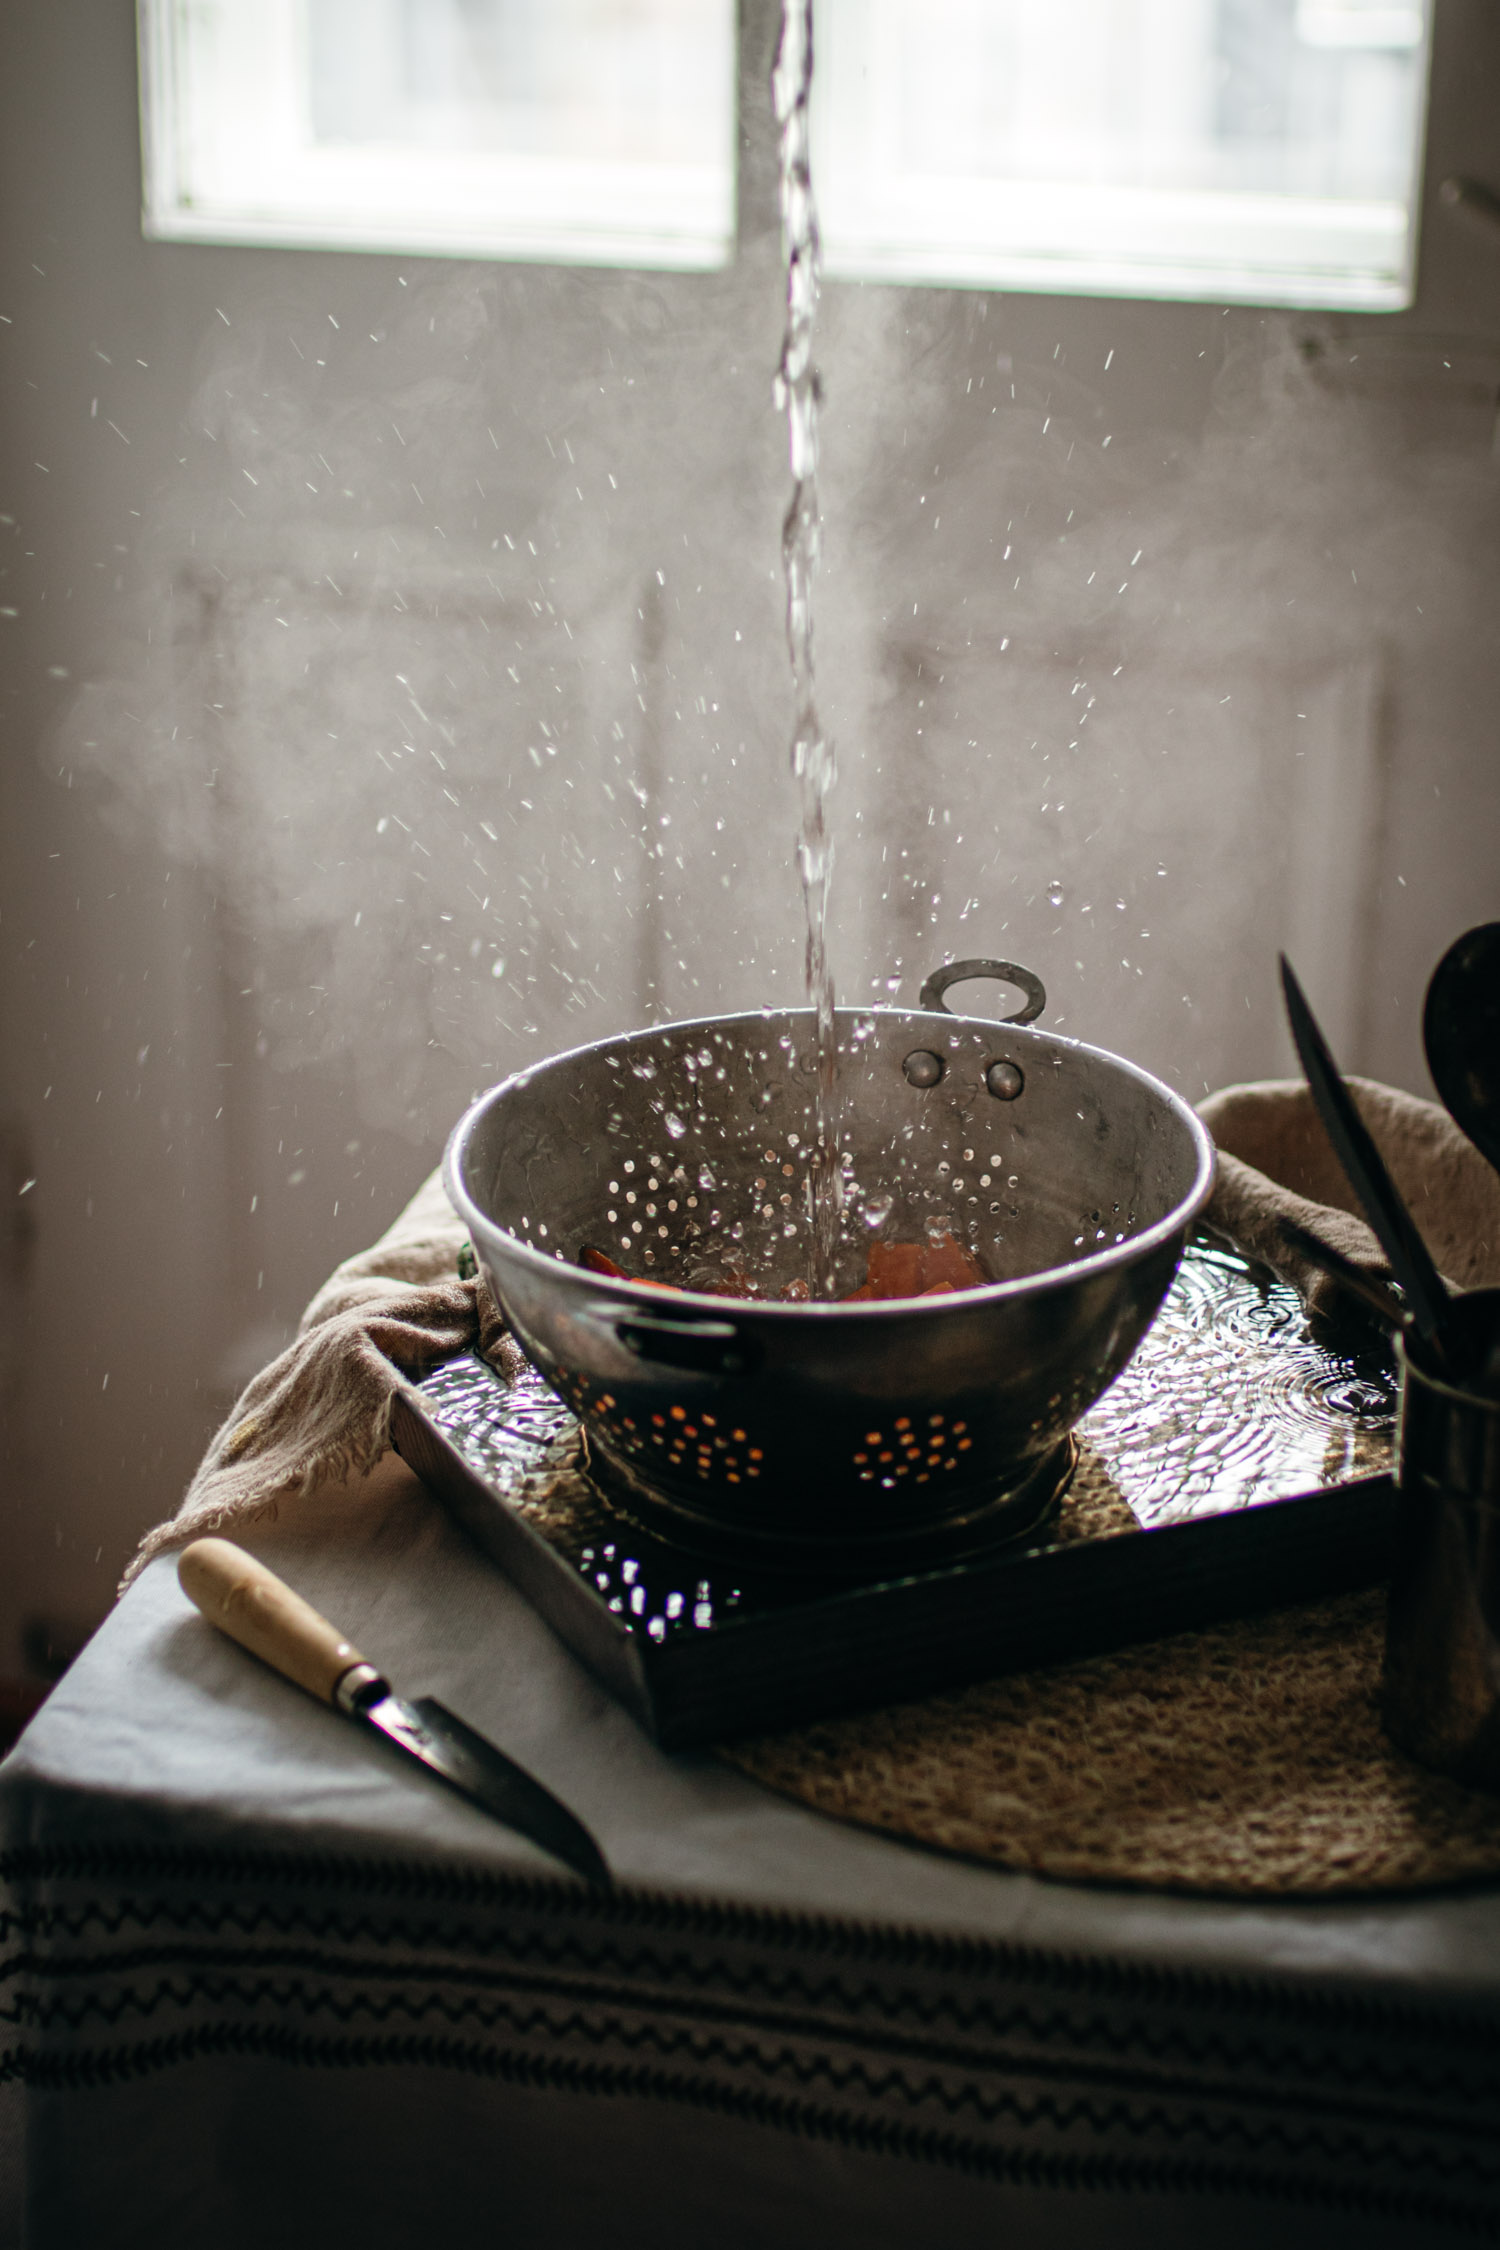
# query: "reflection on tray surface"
[1229,1402]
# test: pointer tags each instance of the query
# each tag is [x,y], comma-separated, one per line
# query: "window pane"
[1265,151]
[593,131]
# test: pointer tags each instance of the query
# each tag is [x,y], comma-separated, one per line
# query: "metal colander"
[789,1430]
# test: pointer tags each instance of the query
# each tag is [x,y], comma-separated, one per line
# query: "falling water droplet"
[877,1210]
[1054,894]
[707,1181]
[674,1125]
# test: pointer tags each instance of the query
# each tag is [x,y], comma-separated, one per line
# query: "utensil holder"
[1440,1691]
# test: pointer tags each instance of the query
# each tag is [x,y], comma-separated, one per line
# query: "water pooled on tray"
[1229,1403]
[1231,1400]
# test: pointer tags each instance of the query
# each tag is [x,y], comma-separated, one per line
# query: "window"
[588,131]
[1259,151]
[1254,151]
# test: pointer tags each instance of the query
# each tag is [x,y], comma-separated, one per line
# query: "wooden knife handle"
[254,1607]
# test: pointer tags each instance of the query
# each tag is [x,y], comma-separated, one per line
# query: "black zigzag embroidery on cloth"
[1090,2172]
[594,1928]
[921,2019]
[206,1972]
[1326,2140]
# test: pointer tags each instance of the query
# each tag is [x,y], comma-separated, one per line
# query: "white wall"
[181,964]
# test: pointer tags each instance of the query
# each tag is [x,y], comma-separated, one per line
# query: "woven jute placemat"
[1244,1758]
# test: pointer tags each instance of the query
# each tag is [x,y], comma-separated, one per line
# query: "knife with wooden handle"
[256,1608]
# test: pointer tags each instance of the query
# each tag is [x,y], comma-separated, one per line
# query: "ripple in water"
[1230,1401]
[501,1429]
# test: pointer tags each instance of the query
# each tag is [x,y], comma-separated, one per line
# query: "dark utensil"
[1461,1032]
[821,1430]
[1395,1229]
[1373,1294]
[253,1606]
[1441,1688]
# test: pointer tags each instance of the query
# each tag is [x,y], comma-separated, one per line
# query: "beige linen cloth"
[322,1410]
[1275,1161]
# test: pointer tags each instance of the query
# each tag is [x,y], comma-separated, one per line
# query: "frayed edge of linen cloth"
[1275,1161]
[321,1412]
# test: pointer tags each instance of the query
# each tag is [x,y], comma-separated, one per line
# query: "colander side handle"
[701,1347]
[1004,972]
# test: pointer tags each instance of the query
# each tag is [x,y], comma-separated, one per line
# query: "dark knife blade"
[1394,1227]
[427,1731]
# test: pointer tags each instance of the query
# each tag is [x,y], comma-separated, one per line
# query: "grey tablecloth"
[263,1982]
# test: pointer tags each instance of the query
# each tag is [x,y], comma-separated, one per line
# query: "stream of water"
[812,755]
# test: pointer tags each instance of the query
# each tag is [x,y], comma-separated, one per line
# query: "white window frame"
[260,177]
[881,222]
[249,170]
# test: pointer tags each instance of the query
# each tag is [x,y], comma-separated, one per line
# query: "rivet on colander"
[923,1067]
[1004,1081]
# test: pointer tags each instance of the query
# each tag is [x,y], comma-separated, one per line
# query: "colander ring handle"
[1004,972]
[701,1347]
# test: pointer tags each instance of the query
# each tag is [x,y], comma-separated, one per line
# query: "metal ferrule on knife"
[360,1686]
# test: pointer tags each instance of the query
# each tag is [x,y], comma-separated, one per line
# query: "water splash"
[797,389]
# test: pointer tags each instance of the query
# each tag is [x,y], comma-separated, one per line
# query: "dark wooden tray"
[1249,1465]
